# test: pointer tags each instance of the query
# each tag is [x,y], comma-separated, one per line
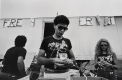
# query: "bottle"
[35,72]
[34,75]
[41,74]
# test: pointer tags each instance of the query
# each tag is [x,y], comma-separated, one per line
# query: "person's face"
[104,46]
[60,29]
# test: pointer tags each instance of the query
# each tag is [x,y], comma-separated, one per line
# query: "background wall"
[83,38]
[33,34]
[49,8]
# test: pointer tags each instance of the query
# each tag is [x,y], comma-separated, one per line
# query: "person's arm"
[115,61]
[114,66]
[21,66]
[72,57]
[41,60]
[97,63]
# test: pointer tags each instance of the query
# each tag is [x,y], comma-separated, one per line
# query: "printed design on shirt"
[108,58]
[58,47]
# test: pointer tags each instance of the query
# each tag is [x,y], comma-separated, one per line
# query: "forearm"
[111,65]
[21,68]
[44,61]
[114,66]
[74,62]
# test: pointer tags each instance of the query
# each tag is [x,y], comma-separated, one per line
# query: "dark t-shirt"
[55,48]
[11,57]
[106,72]
[108,58]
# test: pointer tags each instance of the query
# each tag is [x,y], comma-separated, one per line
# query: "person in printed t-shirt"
[56,51]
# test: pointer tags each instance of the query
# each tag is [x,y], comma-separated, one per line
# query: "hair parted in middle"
[98,50]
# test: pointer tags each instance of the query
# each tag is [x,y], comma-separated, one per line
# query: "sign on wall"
[85,21]
[32,22]
[88,21]
[12,23]
[109,21]
[98,19]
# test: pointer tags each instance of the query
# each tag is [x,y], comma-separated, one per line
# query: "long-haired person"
[105,59]
[13,62]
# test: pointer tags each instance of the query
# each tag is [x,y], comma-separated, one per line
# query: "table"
[74,74]
[34,75]
[73,78]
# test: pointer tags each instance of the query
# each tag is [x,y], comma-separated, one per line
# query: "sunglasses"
[61,27]
[103,45]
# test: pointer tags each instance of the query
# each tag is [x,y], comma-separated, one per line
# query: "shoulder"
[21,49]
[46,39]
[49,37]
[24,49]
[113,53]
[22,52]
[11,48]
[66,39]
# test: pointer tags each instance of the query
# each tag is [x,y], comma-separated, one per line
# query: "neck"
[104,52]
[57,37]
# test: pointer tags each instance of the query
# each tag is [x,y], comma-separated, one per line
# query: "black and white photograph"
[60,40]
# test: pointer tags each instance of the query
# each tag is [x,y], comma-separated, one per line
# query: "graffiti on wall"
[12,23]
[88,21]
[83,21]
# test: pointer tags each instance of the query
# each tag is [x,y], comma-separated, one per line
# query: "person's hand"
[105,63]
[57,61]
[68,63]
[100,64]
[59,64]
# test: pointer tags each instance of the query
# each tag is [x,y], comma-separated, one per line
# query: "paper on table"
[25,78]
[65,75]
[72,71]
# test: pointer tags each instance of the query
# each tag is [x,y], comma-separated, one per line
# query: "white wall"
[83,38]
[49,8]
[119,30]
[33,34]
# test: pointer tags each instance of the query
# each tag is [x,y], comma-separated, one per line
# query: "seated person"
[56,51]
[105,59]
[13,62]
